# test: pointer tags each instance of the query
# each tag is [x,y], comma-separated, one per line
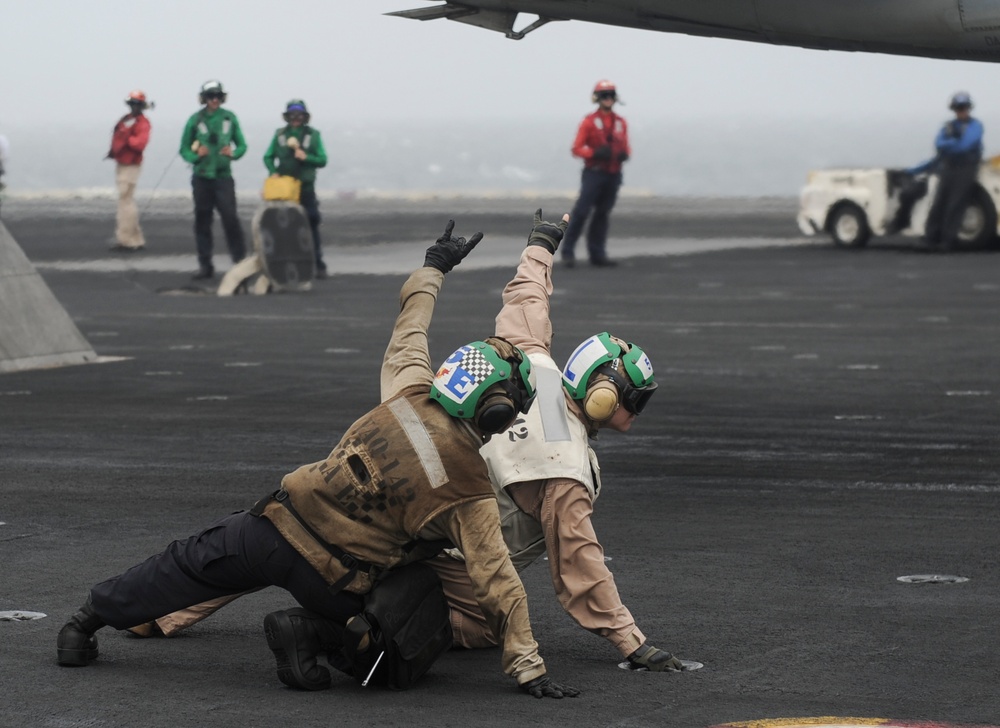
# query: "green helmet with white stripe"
[603,366]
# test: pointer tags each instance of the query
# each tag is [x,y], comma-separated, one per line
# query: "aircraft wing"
[950,29]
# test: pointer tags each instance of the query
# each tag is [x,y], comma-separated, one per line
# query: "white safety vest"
[548,442]
[306,140]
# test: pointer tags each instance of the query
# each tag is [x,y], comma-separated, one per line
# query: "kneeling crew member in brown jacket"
[404,477]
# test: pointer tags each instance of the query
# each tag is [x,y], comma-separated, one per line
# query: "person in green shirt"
[297,151]
[212,139]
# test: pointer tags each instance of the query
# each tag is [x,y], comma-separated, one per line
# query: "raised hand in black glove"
[546,234]
[448,252]
[546,687]
[602,152]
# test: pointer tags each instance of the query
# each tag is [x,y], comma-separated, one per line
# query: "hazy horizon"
[735,157]
[404,104]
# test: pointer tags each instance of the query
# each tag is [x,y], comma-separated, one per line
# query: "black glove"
[655,660]
[622,156]
[545,687]
[448,252]
[546,234]
[602,152]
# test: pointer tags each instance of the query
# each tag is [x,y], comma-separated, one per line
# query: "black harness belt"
[352,564]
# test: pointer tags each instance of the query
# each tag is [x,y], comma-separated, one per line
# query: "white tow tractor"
[851,205]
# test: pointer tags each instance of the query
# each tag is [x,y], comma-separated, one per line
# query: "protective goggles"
[607,95]
[633,399]
[519,394]
[213,95]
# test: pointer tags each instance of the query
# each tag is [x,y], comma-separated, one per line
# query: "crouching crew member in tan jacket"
[546,476]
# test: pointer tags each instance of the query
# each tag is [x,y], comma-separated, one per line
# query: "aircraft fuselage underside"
[953,29]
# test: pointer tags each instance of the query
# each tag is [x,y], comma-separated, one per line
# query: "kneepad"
[601,401]
[407,619]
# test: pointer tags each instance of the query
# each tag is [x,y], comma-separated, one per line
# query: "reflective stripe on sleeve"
[421,441]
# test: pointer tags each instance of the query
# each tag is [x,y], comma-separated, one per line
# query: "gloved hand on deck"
[546,687]
[655,659]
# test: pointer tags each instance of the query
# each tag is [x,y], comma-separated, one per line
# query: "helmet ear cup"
[495,413]
[601,401]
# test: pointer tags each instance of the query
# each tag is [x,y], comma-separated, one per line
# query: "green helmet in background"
[212,89]
[296,106]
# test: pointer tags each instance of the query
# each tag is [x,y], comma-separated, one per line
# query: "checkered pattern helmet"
[467,374]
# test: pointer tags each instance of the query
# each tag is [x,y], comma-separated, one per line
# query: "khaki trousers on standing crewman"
[128,232]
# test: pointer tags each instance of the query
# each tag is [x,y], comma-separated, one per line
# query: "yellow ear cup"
[601,401]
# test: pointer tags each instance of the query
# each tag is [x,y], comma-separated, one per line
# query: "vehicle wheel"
[979,222]
[849,226]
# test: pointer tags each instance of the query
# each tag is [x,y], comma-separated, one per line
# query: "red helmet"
[604,88]
[137,98]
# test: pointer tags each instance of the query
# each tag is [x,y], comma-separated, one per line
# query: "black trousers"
[238,553]
[216,194]
[944,220]
[307,198]
[598,194]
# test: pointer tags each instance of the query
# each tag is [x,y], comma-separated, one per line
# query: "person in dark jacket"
[959,146]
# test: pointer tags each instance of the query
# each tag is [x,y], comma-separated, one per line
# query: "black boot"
[297,637]
[76,644]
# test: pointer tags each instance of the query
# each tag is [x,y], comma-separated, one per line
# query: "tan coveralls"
[561,506]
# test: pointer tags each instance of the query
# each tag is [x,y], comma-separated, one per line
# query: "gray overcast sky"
[708,116]
[72,61]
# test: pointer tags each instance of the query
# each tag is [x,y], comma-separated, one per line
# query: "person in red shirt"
[128,140]
[602,143]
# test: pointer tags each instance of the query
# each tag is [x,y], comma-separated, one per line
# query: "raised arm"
[407,360]
[524,318]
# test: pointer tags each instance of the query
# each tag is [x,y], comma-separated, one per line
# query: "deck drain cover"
[185,291]
[932,579]
[689,666]
[20,616]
